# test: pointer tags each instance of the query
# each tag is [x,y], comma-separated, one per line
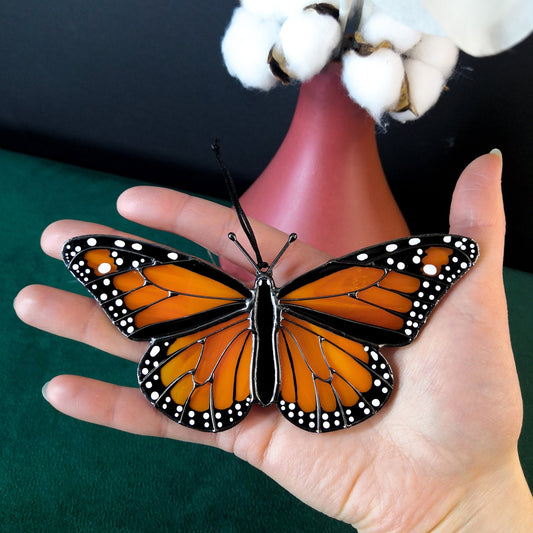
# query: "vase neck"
[325,110]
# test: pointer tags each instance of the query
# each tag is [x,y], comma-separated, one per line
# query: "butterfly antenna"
[233,237]
[291,239]
[243,219]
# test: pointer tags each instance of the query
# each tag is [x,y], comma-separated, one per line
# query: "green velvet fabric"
[60,474]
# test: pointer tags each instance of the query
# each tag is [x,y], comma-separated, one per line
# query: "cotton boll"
[381,27]
[438,52]
[373,81]
[265,9]
[308,40]
[245,49]
[291,7]
[425,85]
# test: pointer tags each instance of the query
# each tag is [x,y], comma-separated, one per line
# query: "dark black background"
[139,88]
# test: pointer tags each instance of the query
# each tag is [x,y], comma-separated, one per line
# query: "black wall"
[139,88]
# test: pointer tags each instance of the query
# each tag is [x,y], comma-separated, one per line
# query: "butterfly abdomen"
[265,323]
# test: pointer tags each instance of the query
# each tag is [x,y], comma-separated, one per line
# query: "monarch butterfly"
[311,347]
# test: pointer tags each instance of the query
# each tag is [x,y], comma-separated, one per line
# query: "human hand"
[441,455]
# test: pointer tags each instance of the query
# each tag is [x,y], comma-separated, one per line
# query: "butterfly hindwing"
[150,291]
[201,380]
[329,382]
[383,294]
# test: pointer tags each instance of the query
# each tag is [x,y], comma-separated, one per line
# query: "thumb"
[477,210]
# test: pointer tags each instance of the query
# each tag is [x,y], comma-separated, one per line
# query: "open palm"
[442,450]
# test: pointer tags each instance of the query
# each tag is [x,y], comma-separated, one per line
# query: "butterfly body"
[265,320]
[311,347]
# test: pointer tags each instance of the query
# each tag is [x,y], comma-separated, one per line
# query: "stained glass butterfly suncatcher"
[311,347]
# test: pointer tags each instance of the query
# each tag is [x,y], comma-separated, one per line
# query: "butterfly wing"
[328,381]
[335,318]
[197,367]
[150,291]
[201,380]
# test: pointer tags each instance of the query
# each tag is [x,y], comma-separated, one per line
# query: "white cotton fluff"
[266,9]
[279,9]
[291,7]
[245,48]
[308,40]
[425,86]
[381,27]
[436,51]
[373,81]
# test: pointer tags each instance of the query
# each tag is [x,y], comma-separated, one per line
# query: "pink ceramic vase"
[326,182]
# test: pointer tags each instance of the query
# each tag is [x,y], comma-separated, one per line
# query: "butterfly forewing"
[149,291]
[382,294]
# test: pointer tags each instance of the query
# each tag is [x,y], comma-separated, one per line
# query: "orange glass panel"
[384,298]
[346,394]
[180,364]
[326,396]
[242,380]
[400,282]
[305,390]
[347,367]
[144,296]
[436,257]
[100,261]
[352,309]
[226,374]
[341,354]
[216,345]
[128,281]
[200,398]
[288,392]
[310,346]
[178,279]
[347,280]
[181,342]
[181,391]
[173,308]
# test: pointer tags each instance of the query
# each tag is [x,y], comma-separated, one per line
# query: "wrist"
[499,500]
[495,499]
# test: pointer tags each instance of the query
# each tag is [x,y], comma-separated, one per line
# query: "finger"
[74,317]
[208,224]
[477,212]
[477,208]
[121,408]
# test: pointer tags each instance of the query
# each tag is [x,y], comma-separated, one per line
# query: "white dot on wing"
[104,268]
[429,269]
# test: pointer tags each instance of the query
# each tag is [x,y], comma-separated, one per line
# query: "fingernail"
[43,390]
[497,152]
